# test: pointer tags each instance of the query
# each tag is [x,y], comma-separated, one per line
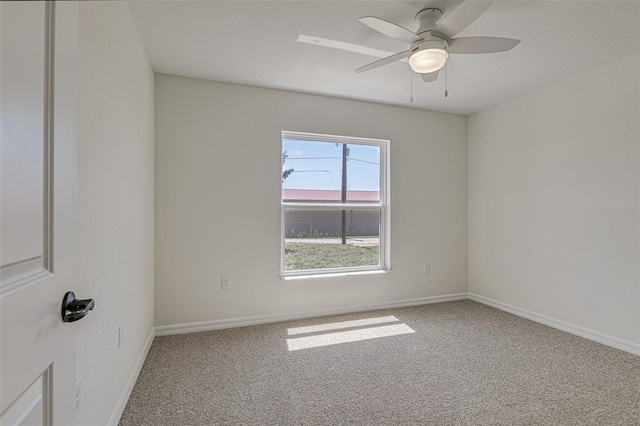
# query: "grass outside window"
[305,256]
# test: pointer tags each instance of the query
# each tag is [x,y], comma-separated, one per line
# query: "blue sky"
[318,165]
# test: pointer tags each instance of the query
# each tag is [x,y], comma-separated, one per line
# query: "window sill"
[332,274]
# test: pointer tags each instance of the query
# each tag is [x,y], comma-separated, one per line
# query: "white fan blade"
[430,76]
[461,17]
[481,44]
[383,61]
[337,44]
[389,29]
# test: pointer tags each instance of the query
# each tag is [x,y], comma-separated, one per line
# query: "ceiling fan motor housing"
[434,43]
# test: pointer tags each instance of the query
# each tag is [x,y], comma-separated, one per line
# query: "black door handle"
[74,309]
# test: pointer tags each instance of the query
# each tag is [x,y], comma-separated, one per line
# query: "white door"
[38,69]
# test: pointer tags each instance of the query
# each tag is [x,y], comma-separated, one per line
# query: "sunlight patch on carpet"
[340,337]
[342,324]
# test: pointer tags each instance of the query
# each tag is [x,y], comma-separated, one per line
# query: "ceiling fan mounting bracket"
[428,19]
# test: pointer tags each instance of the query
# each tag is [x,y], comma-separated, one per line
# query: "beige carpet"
[457,363]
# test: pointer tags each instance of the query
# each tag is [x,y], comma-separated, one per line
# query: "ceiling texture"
[256,43]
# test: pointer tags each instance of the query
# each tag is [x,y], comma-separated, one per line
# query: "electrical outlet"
[120,336]
[426,268]
[78,393]
[226,283]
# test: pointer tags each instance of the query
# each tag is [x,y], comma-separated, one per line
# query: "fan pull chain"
[446,92]
[411,80]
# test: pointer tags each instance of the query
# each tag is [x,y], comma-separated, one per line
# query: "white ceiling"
[255,43]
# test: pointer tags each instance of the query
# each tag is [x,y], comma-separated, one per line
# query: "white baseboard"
[596,336]
[133,377]
[194,327]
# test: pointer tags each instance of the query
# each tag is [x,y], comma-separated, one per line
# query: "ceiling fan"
[432,43]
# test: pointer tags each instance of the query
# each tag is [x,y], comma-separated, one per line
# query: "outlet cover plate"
[225,283]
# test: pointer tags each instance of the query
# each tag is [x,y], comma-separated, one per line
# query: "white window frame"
[382,206]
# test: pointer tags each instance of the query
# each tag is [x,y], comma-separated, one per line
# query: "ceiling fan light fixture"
[428,56]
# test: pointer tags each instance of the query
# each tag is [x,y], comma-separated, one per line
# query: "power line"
[332,158]
[332,181]
[320,171]
[364,161]
[315,171]
[313,158]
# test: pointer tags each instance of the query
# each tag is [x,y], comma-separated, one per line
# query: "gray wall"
[218,178]
[115,204]
[554,199]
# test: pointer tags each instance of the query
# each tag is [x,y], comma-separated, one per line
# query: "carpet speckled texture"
[466,364]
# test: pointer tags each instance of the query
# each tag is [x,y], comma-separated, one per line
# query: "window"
[334,204]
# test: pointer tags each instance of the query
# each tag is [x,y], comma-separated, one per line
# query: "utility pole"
[345,153]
